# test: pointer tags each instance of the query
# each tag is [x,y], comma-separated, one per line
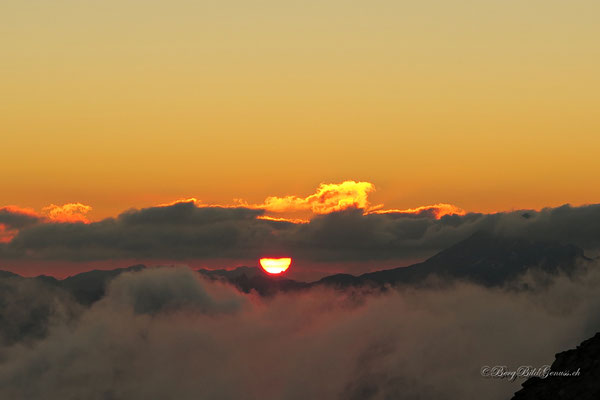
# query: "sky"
[483,107]
[488,105]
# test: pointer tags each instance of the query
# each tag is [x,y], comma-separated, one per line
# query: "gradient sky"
[488,105]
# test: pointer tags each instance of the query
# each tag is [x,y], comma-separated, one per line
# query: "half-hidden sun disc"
[275,265]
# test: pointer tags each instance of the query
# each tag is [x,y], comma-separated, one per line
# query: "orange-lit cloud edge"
[70,212]
[67,213]
[328,198]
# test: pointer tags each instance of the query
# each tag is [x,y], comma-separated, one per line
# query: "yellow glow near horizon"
[275,266]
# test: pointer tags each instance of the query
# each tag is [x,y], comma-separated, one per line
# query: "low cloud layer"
[184,231]
[166,333]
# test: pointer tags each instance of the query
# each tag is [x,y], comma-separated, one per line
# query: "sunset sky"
[311,199]
[469,107]
[488,105]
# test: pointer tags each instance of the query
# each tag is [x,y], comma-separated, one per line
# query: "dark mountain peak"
[48,279]
[8,274]
[493,259]
[105,272]
[88,287]
[487,245]
[484,258]
[585,386]
[338,280]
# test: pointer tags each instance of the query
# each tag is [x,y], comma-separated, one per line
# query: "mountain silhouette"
[483,258]
[89,287]
[585,359]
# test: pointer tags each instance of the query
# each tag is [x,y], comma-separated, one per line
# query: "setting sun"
[275,265]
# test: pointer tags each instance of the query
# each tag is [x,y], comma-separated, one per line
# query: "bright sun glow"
[275,265]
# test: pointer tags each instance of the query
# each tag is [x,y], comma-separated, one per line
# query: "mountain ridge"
[585,359]
[483,258]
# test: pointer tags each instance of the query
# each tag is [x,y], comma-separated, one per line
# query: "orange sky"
[484,105]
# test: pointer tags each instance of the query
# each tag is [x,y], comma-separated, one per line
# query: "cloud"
[6,235]
[329,197]
[187,228]
[350,235]
[161,289]
[184,200]
[334,197]
[13,218]
[180,231]
[436,210]
[282,219]
[71,212]
[188,341]
[184,231]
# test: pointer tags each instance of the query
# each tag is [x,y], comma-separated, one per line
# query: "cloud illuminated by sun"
[282,219]
[6,235]
[71,212]
[194,200]
[19,210]
[437,210]
[328,198]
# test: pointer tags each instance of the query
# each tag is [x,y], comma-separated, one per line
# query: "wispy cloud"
[437,210]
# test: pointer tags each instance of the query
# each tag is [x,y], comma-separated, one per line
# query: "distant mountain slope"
[482,258]
[27,305]
[586,386]
[86,287]
[8,274]
[90,286]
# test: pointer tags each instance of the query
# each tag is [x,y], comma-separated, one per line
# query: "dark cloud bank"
[166,333]
[184,231]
